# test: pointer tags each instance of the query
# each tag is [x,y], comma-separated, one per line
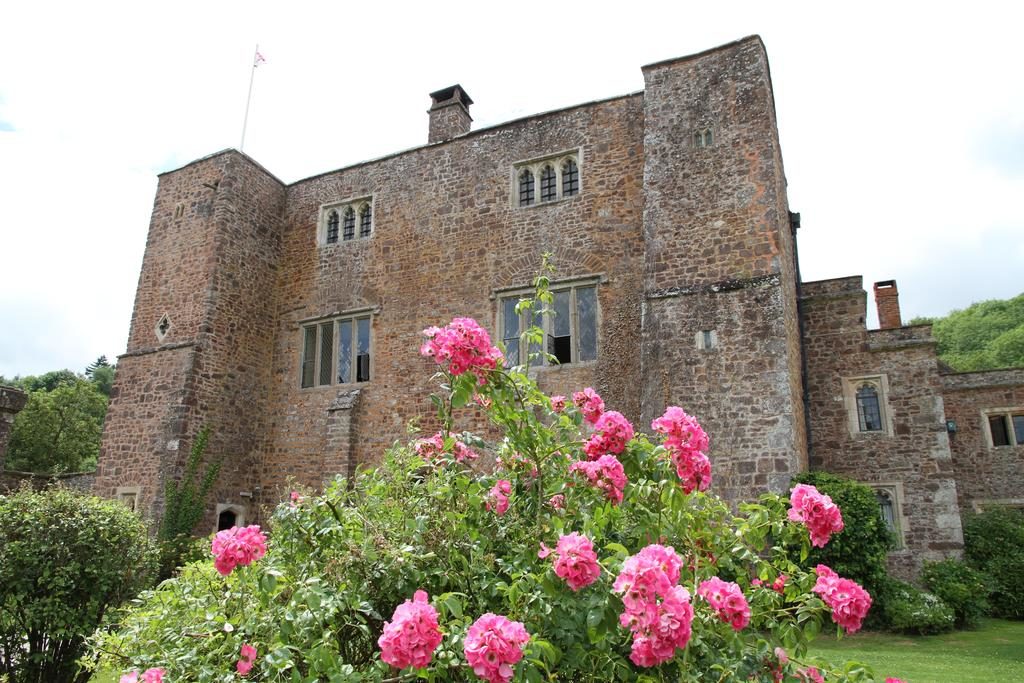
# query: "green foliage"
[983,336]
[339,564]
[184,505]
[994,544]
[959,586]
[58,430]
[859,550]
[908,609]
[65,560]
[100,362]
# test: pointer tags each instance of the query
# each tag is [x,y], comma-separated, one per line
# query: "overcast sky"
[902,126]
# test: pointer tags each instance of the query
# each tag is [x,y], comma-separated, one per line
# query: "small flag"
[258,59]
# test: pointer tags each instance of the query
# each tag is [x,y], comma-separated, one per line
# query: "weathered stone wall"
[719,257]
[210,268]
[78,481]
[11,402]
[447,235]
[985,474]
[913,450]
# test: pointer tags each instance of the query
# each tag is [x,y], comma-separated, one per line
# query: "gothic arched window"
[365,220]
[548,184]
[332,227]
[526,194]
[349,224]
[570,178]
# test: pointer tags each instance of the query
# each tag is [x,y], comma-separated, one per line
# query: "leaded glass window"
[869,414]
[365,219]
[526,196]
[548,184]
[570,178]
[332,227]
[348,229]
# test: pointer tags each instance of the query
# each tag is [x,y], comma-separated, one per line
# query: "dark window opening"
[869,412]
[1018,428]
[887,509]
[560,341]
[570,179]
[164,325]
[332,227]
[349,224]
[526,195]
[548,185]
[364,221]
[308,356]
[363,350]
[226,519]
[998,428]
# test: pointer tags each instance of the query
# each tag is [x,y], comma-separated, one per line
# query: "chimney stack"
[449,113]
[887,299]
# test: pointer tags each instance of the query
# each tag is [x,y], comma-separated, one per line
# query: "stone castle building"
[287,317]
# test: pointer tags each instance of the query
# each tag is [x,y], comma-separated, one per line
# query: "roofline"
[702,53]
[479,131]
[228,150]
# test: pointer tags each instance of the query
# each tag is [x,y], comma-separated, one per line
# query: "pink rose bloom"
[497,498]
[247,657]
[611,432]
[589,404]
[849,601]
[779,584]
[153,675]
[432,448]
[557,501]
[576,561]
[726,598]
[816,511]
[687,444]
[464,346]
[296,498]
[130,677]
[606,474]
[656,610]
[237,546]
[494,644]
[782,656]
[412,635]
[557,403]
[811,675]
[894,680]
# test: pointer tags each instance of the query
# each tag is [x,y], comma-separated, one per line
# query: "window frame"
[238,510]
[314,324]
[1014,438]
[356,205]
[519,293]
[894,490]
[880,383]
[535,167]
[129,496]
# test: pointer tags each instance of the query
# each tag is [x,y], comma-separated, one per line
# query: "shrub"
[860,549]
[185,503]
[994,544]
[959,586]
[65,560]
[908,609]
[495,554]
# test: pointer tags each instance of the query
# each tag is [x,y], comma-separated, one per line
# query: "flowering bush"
[634,540]
[237,547]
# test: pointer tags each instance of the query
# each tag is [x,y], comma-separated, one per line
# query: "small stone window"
[707,340]
[890,508]
[869,412]
[129,496]
[703,138]
[526,188]
[548,184]
[558,175]
[332,227]
[338,221]
[867,408]
[336,351]
[570,331]
[1005,427]
[163,327]
[229,515]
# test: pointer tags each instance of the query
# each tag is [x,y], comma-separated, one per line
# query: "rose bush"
[581,558]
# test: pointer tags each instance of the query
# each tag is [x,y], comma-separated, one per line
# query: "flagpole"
[248,99]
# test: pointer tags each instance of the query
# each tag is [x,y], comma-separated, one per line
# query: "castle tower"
[201,335]
[720,331]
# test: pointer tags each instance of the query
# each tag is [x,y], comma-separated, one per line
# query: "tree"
[100,362]
[58,430]
[103,378]
[66,559]
[984,336]
[47,381]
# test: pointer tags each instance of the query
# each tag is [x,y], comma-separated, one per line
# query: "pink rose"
[493,645]
[412,635]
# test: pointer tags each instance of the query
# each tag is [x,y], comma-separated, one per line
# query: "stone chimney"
[449,113]
[887,299]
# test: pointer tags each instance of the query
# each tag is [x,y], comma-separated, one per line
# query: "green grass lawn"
[995,652]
